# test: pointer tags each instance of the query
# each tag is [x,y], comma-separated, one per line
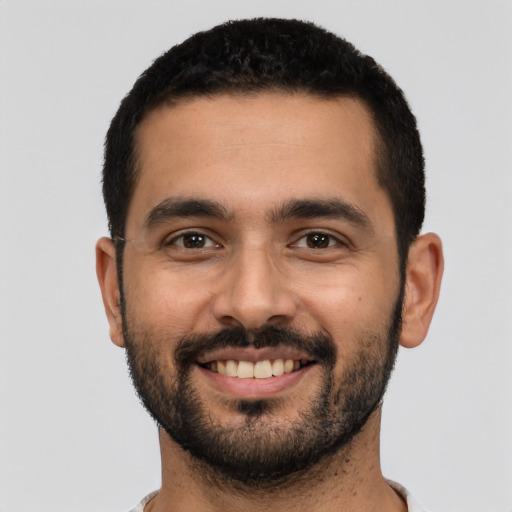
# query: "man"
[264,184]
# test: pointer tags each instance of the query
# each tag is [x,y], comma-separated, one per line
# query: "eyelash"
[173,241]
[332,240]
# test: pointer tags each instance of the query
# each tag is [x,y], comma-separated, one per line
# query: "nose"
[253,293]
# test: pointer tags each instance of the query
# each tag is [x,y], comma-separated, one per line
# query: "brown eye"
[193,241]
[318,241]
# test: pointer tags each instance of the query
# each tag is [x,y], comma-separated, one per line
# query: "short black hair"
[266,54]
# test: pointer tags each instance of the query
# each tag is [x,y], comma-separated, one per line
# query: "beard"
[260,450]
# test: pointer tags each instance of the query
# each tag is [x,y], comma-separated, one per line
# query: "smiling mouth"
[256,369]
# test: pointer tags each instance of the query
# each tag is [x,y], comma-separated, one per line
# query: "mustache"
[316,346]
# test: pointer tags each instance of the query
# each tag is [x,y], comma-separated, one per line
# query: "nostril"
[253,296]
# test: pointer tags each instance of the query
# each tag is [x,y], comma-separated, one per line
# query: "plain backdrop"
[73,436]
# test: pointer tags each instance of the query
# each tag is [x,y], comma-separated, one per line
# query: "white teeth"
[278,367]
[245,370]
[288,366]
[263,369]
[221,367]
[231,368]
[259,370]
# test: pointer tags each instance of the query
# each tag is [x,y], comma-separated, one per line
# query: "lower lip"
[253,389]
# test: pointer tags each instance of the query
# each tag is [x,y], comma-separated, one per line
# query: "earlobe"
[423,282]
[109,284]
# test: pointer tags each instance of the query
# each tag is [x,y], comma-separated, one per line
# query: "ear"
[107,277]
[425,265]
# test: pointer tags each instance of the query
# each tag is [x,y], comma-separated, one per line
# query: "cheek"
[159,299]
[350,302]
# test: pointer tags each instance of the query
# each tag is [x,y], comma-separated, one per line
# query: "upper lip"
[252,354]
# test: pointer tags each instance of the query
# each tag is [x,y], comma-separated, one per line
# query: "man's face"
[261,280]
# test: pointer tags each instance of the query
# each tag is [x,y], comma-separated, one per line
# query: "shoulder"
[412,505]
[142,503]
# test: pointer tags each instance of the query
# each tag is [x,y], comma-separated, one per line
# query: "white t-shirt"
[412,506]
[140,506]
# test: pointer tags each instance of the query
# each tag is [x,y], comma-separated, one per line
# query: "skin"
[251,155]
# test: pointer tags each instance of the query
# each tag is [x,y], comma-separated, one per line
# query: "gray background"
[72,434]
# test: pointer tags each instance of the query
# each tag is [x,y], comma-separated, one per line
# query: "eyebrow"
[330,208]
[172,208]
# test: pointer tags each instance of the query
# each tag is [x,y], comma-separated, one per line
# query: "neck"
[350,480]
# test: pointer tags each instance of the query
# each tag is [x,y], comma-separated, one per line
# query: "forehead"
[256,150]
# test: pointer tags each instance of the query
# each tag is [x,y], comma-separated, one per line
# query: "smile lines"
[255,370]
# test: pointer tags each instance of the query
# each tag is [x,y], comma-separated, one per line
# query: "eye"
[317,240]
[192,240]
